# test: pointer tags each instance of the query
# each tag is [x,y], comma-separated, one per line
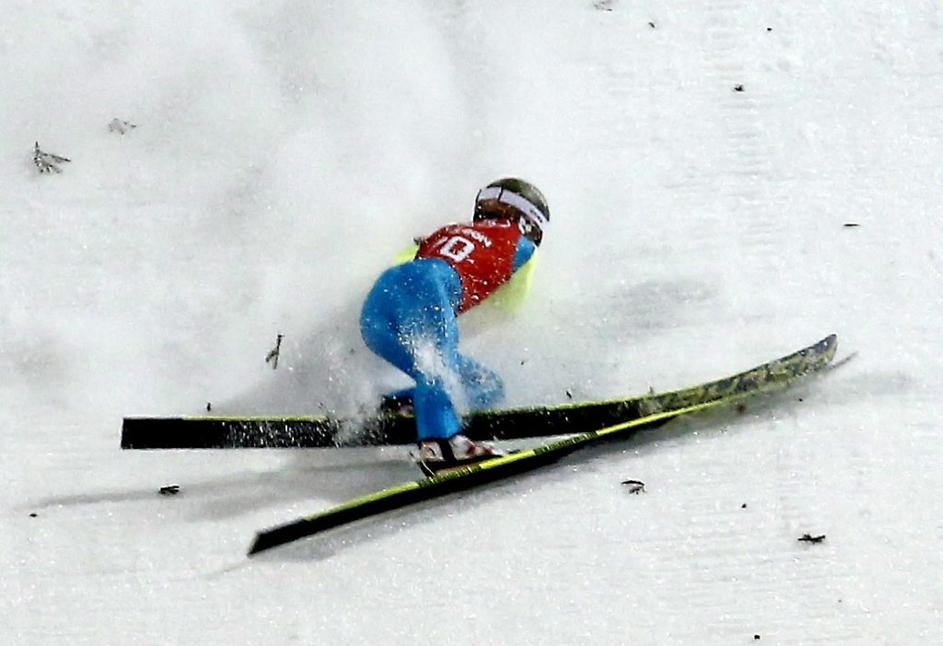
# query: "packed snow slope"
[728,181]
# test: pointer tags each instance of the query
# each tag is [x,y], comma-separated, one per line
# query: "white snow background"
[285,151]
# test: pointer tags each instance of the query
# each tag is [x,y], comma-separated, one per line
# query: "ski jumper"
[410,317]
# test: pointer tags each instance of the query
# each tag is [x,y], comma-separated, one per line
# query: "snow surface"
[285,151]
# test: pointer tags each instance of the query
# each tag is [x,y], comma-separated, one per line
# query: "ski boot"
[439,455]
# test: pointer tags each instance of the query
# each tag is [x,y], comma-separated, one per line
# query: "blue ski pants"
[409,319]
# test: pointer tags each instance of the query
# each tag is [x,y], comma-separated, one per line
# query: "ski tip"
[828,345]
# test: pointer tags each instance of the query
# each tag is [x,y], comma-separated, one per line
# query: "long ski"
[766,377]
[320,431]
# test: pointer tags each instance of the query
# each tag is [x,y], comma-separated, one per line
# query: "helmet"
[523,198]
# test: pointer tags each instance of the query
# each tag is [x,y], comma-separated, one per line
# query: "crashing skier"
[409,317]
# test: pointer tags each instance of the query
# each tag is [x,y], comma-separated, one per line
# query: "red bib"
[482,253]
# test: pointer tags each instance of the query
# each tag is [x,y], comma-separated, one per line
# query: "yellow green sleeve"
[510,295]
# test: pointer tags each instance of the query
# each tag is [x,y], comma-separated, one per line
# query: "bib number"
[456,248]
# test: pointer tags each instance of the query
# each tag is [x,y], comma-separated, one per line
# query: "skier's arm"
[512,294]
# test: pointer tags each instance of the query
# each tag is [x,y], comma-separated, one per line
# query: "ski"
[323,431]
[764,378]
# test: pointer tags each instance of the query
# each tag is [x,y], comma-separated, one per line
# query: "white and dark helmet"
[513,196]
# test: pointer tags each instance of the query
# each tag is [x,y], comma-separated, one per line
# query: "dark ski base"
[510,424]
[778,373]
